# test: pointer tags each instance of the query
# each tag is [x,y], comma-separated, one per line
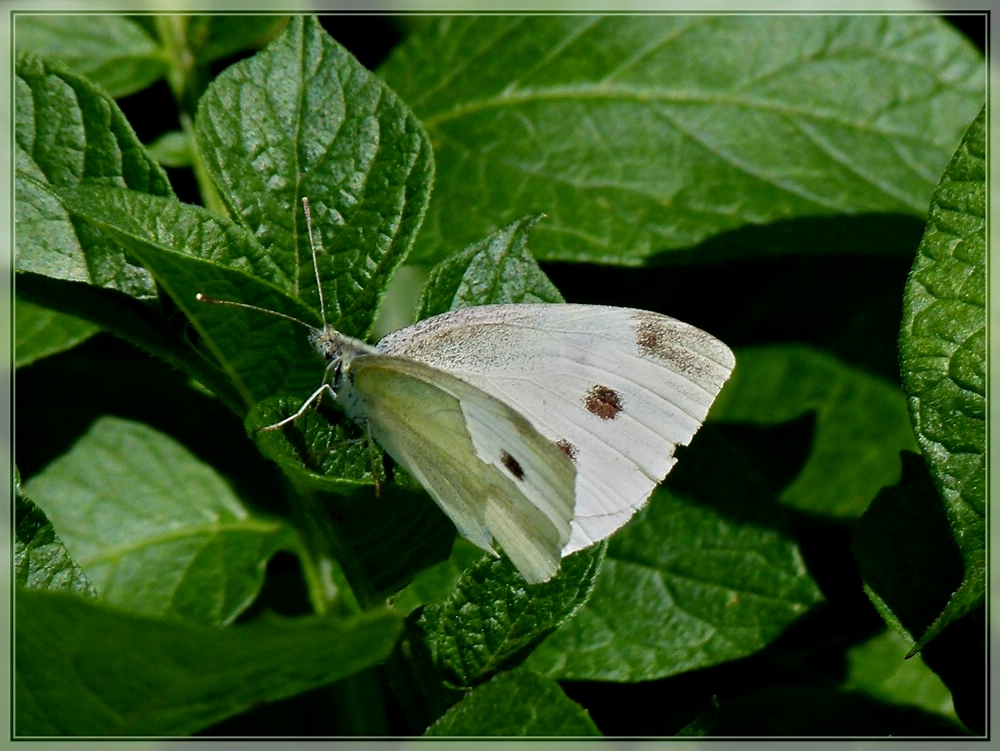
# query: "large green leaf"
[641,134]
[303,118]
[157,531]
[943,358]
[83,669]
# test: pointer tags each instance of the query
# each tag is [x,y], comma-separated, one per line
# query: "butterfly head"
[337,350]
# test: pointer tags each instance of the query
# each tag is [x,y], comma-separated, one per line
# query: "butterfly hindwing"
[617,389]
[481,461]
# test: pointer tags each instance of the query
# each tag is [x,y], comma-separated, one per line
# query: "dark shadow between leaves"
[723,458]
[855,235]
[905,549]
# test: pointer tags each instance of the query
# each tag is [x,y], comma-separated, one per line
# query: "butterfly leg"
[372,456]
[316,396]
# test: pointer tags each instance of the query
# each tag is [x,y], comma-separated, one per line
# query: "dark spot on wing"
[512,465]
[567,448]
[674,343]
[652,337]
[603,401]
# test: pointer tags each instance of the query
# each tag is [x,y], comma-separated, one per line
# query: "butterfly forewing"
[616,389]
[481,461]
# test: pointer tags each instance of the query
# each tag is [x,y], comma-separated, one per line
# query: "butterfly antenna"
[246,306]
[312,247]
[319,288]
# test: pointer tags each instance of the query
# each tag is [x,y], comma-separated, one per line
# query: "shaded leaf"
[74,676]
[822,711]
[40,332]
[903,546]
[861,425]
[435,583]
[704,722]
[113,51]
[213,37]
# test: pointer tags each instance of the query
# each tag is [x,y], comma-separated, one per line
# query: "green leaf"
[498,269]
[861,424]
[172,149]
[491,621]
[515,704]
[702,575]
[69,133]
[157,531]
[113,51]
[942,348]
[83,669]
[878,668]
[304,119]
[41,561]
[641,134]
[702,724]
[40,332]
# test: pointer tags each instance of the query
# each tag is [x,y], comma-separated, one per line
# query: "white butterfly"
[544,427]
